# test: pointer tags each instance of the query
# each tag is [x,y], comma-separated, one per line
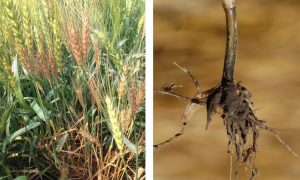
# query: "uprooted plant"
[234,100]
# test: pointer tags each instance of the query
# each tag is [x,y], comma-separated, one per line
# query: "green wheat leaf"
[21,131]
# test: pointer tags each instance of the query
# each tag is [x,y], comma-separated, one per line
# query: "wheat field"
[72,89]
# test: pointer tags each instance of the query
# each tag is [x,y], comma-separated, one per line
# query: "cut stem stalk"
[231,39]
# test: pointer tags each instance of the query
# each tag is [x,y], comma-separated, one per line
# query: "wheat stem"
[231,39]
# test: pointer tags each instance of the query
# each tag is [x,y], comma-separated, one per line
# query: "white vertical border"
[149,89]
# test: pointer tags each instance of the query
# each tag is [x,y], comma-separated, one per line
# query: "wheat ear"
[115,126]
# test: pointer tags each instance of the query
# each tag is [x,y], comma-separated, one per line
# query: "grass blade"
[39,111]
[130,145]
[21,178]
[61,142]
[21,131]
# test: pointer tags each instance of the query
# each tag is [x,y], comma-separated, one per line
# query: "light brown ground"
[192,33]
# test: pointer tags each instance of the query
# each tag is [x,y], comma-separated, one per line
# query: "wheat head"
[115,126]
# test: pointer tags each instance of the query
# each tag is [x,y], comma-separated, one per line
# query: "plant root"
[241,124]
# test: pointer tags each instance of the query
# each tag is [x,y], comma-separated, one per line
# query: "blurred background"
[192,33]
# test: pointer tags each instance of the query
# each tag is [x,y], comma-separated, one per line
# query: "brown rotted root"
[242,125]
[239,119]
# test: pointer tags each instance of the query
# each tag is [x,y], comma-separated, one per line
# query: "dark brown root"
[242,125]
[239,119]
